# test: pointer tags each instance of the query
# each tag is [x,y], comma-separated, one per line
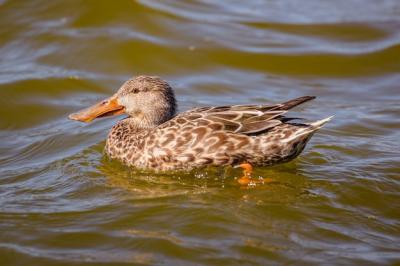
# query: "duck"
[153,136]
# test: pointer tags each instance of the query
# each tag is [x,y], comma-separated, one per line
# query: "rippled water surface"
[62,202]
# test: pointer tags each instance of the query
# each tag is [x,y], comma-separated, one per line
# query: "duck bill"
[104,108]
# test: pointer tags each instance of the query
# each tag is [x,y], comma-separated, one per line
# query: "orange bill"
[107,107]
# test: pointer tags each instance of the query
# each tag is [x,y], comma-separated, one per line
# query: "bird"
[154,137]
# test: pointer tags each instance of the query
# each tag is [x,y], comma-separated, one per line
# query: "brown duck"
[154,137]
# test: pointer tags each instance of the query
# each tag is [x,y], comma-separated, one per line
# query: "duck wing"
[244,119]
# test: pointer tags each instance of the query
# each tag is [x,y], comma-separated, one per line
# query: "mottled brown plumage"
[153,137]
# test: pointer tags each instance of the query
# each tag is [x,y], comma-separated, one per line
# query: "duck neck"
[141,122]
[126,139]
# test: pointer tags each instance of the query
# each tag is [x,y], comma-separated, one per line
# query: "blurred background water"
[62,202]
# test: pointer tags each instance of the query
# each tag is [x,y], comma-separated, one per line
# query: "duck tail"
[309,130]
[320,123]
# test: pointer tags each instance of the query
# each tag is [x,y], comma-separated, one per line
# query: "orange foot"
[246,178]
[247,171]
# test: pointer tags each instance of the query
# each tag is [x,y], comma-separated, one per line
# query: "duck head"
[148,101]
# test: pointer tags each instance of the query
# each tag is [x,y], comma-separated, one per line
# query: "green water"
[62,202]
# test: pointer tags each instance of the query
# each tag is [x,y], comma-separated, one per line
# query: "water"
[62,202]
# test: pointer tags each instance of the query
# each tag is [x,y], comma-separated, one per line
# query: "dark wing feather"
[245,119]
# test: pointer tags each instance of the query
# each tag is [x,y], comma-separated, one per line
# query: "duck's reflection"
[284,183]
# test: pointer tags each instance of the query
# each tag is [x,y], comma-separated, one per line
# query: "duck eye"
[135,90]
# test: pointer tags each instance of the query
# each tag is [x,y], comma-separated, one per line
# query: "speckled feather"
[219,136]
